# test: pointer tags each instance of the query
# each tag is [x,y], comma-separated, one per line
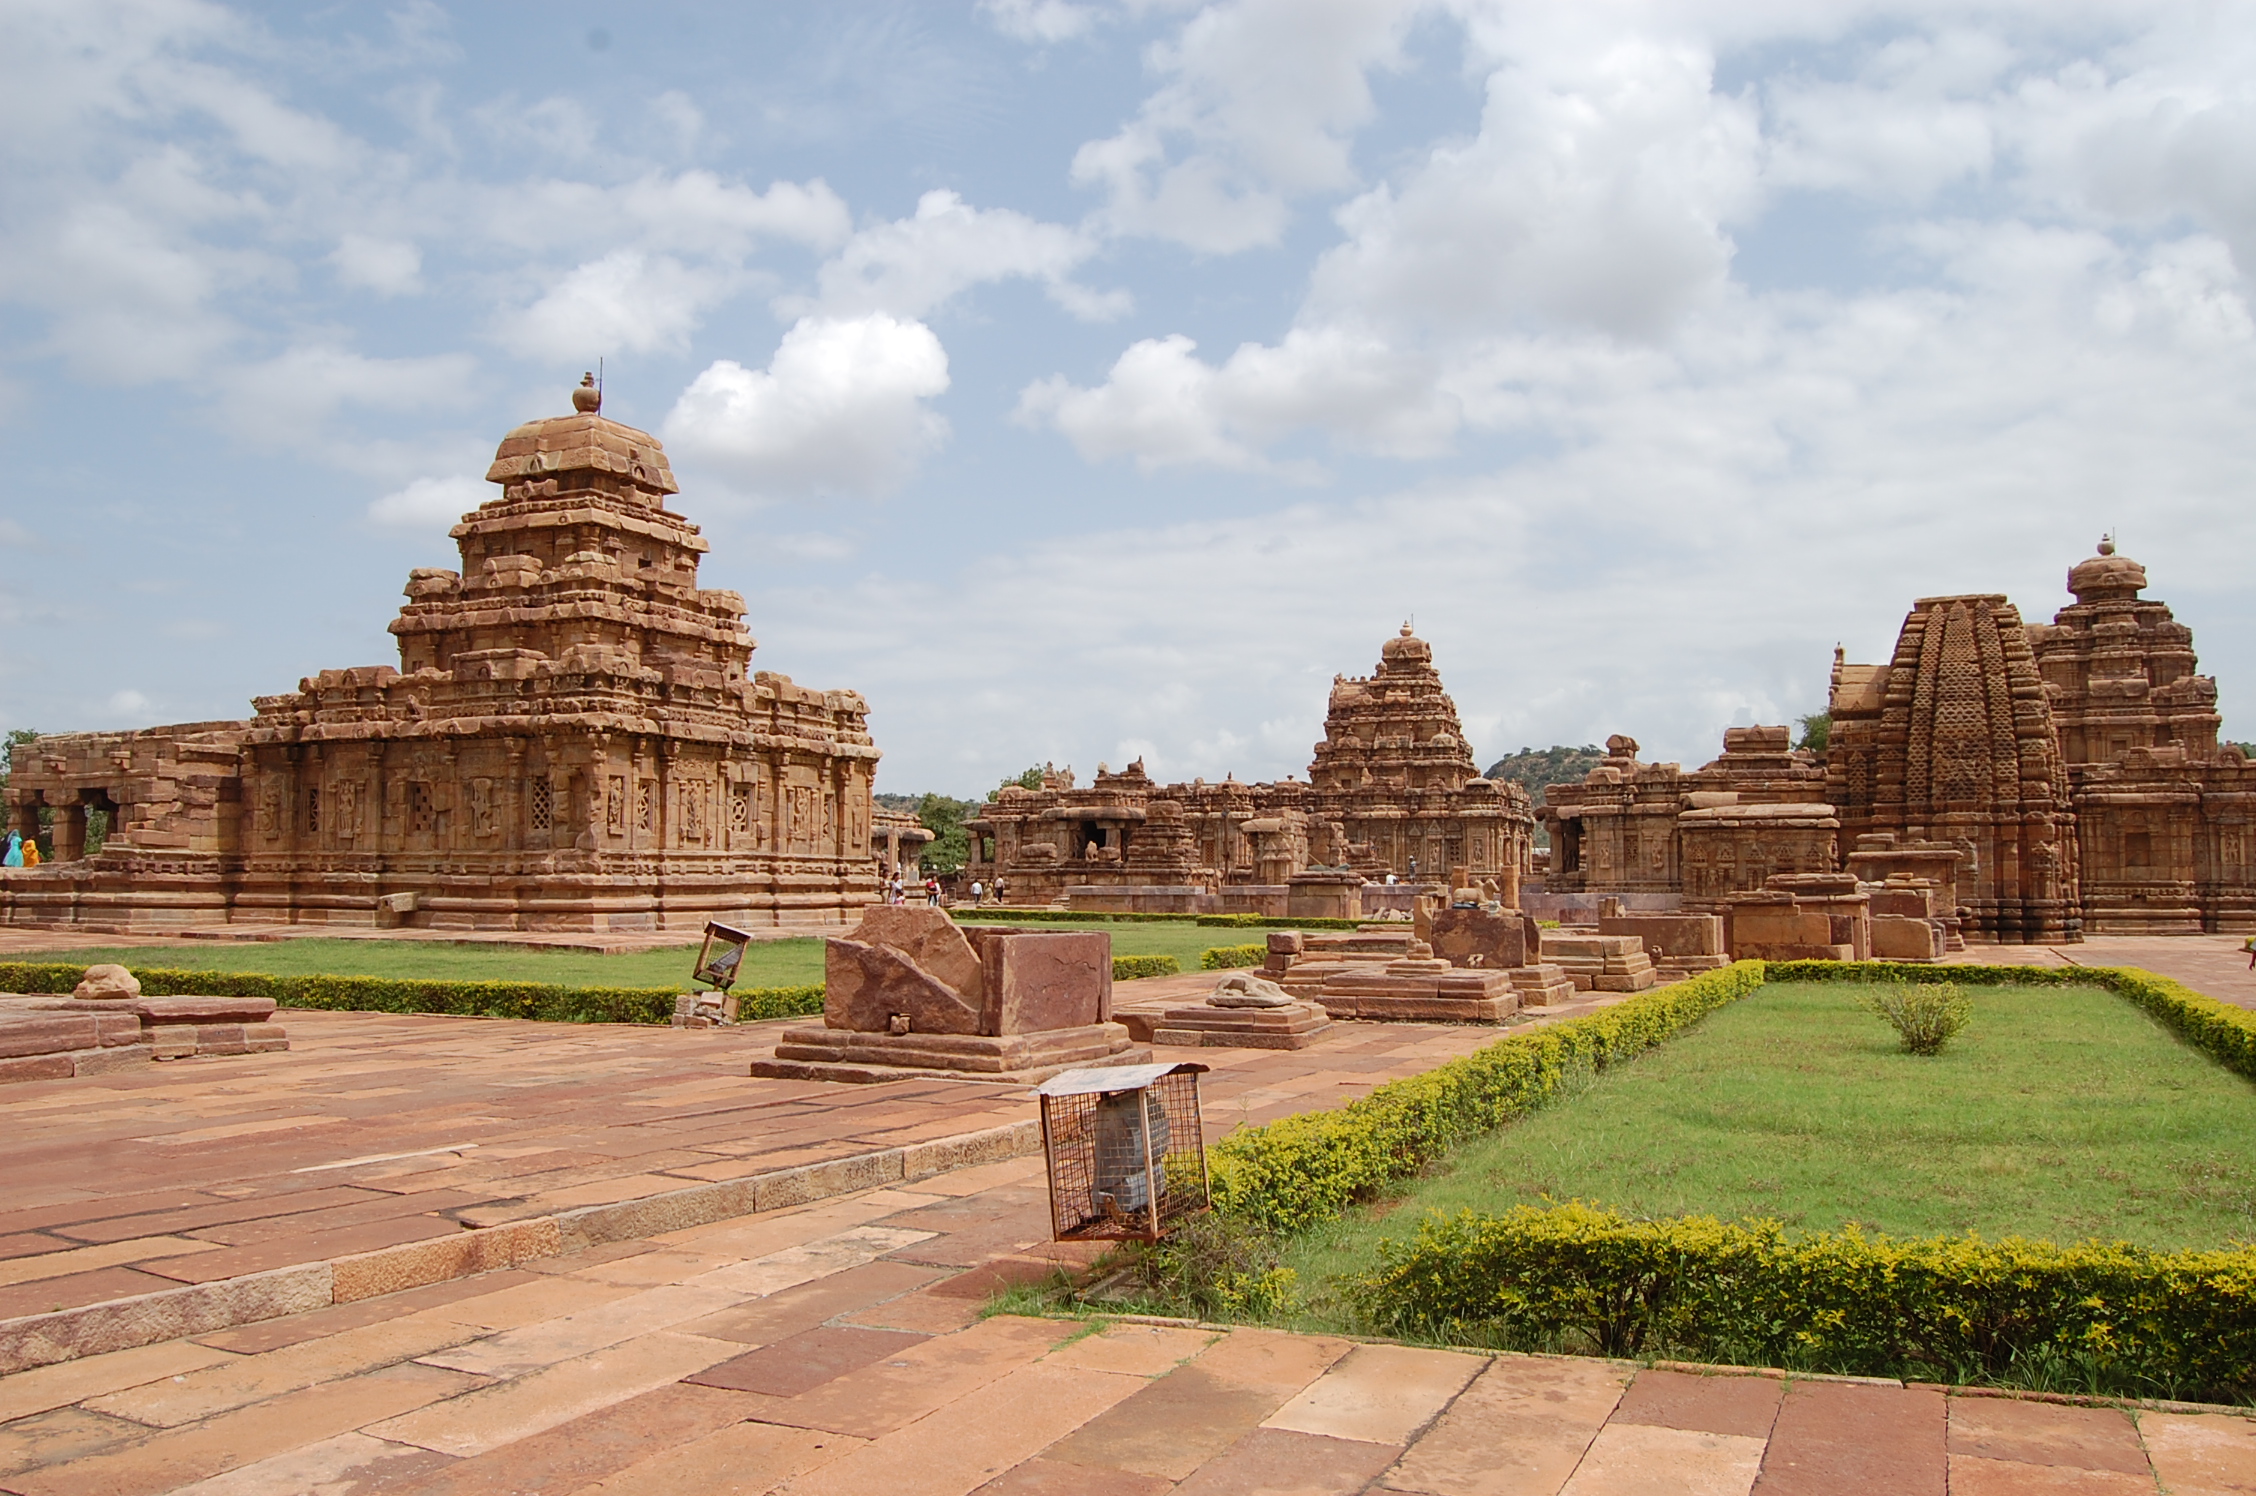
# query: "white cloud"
[1595,196]
[130,704]
[1262,100]
[627,300]
[430,504]
[1165,407]
[911,265]
[291,399]
[389,267]
[1041,21]
[839,409]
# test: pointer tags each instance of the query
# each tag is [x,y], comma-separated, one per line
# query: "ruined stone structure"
[574,739]
[2165,816]
[1393,788]
[1637,828]
[912,993]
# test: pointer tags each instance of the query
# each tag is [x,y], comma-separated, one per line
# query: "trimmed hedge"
[1273,922]
[1295,1172]
[1128,968]
[2103,1315]
[545,1001]
[756,1003]
[1230,957]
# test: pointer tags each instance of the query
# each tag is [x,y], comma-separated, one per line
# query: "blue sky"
[1086,381]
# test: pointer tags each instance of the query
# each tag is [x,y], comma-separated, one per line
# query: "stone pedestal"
[1801,917]
[1421,990]
[1679,945]
[1244,1012]
[909,993]
[1603,963]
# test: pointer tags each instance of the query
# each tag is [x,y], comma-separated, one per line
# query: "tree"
[1817,729]
[1025,779]
[950,847]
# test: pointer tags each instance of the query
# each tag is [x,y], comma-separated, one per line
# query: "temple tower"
[1953,741]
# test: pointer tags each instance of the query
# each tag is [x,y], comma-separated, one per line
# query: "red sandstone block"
[266,1036]
[35,1067]
[111,1061]
[119,1028]
[204,1010]
[45,1035]
[221,1038]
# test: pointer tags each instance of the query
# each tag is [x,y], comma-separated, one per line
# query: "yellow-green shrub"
[1230,957]
[1950,1308]
[1128,968]
[1297,1171]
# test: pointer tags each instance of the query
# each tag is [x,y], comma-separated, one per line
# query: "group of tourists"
[22,851]
[896,892]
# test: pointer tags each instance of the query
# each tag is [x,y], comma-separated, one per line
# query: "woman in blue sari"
[15,850]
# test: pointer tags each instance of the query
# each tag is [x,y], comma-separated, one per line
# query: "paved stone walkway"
[837,1348]
[832,1345]
[378,1131]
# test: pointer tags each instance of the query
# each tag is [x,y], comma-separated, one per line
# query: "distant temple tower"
[574,739]
[2166,818]
[1953,742]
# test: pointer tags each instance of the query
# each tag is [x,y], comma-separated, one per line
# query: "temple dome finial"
[2107,545]
[586,398]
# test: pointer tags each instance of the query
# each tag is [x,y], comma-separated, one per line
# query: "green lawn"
[769,963]
[2060,1113]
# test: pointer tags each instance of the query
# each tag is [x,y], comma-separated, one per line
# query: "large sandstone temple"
[574,740]
[2057,779]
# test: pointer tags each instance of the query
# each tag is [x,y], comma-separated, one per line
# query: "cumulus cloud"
[839,409]
[911,265]
[389,267]
[429,504]
[628,299]
[291,399]
[1165,407]
[1262,100]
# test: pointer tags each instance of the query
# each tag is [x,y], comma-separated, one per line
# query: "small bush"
[1218,1268]
[1229,957]
[1926,1016]
[1128,968]
[756,1003]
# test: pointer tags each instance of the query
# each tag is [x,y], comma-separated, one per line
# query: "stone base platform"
[1294,1027]
[49,1038]
[1602,963]
[1421,991]
[859,1058]
[1542,984]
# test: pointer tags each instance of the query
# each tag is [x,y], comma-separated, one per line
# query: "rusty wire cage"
[1125,1149]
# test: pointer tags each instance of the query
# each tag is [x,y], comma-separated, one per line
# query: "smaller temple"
[1393,789]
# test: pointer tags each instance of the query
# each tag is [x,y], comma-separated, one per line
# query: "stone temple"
[574,739]
[1393,788]
[2045,780]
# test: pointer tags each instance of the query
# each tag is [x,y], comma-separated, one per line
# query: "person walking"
[979,897]
[14,857]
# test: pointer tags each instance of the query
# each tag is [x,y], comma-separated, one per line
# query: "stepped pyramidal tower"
[573,739]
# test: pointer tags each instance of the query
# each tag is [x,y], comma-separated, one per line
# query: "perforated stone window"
[418,808]
[645,793]
[540,806]
[740,807]
[313,810]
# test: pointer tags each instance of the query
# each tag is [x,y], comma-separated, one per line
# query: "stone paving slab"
[822,1373]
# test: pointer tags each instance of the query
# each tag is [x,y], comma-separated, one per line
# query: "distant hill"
[1538,768]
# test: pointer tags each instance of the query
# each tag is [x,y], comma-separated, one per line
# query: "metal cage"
[1125,1149]
[721,956]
